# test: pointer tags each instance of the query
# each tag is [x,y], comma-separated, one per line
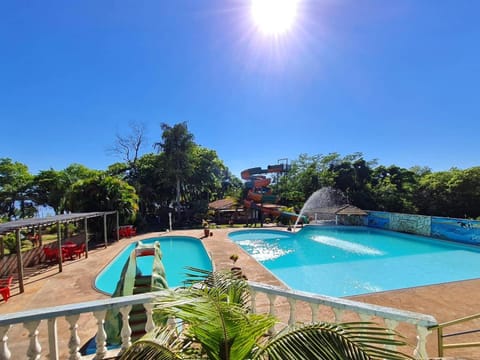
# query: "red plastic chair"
[5,287]
[122,231]
[51,254]
[81,249]
[133,231]
[127,231]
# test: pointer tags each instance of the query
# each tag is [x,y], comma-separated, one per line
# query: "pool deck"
[48,287]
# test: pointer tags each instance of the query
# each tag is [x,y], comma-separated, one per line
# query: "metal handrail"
[440,334]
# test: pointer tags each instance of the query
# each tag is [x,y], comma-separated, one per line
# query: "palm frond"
[216,324]
[215,313]
[162,344]
[220,282]
[353,341]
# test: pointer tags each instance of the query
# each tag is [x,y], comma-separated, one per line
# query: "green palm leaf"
[162,344]
[353,341]
[236,290]
[214,322]
[216,316]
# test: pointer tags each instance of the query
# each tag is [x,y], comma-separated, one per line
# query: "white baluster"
[391,324]
[126,329]
[365,317]
[420,351]
[101,337]
[4,351]
[293,311]
[149,325]
[338,314]
[314,309]
[34,348]
[52,338]
[253,296]
[74,342]
[271,298]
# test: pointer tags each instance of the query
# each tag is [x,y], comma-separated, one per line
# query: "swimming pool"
[345,261]
[179,252]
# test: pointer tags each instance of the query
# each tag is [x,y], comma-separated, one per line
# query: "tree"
[206,181]
[464,193]
[51,187]
[154,188]
[104,193]
[128,146]
[433,194]
[352,176]
[394,188]
[177,144]
[216,324]
[305,176]
[15,182]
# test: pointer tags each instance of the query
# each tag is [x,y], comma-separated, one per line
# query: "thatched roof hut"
[350,215]
[350,210]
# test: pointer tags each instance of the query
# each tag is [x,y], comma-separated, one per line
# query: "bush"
[53,228]
[10,243]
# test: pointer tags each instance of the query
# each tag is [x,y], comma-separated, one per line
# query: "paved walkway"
[75,284]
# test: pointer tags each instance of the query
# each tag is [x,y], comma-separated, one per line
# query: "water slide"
[133,282]
[260,196]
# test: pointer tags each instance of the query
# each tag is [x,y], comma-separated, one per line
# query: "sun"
[274,17]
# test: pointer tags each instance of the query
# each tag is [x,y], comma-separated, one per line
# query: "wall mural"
[379,219]
[414,224]
[460,230]
[463,230]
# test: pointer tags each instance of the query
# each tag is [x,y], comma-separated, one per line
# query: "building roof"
[350,210]
[11,226]
[222,204]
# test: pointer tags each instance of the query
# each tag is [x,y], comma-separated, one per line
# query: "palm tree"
[215,323]
[177,145]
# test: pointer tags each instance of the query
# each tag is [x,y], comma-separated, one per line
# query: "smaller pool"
[178,252]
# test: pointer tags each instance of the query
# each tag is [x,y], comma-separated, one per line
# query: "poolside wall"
[461,230]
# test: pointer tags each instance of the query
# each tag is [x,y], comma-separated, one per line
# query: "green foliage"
[104,193]
[394,189]
[216,323]
[454,193]
[52,188]
[52,229]
[189,176]
[15,184]
[10,243]
[177,144]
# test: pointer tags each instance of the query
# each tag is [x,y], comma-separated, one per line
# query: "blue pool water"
[179,252]
[345,261]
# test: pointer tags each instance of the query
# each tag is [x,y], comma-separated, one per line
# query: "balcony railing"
[278,302]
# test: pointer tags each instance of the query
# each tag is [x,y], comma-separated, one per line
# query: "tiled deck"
[75,284]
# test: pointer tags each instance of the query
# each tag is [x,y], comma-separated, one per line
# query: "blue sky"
[395,80]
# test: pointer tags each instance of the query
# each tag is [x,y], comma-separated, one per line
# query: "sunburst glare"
[274,17]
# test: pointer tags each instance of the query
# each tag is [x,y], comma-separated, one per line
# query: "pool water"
[345,261]
[178,252]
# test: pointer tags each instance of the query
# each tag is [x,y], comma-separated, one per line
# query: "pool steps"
[137,316]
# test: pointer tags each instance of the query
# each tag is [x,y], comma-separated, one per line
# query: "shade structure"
[32,223]
[11,226]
